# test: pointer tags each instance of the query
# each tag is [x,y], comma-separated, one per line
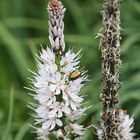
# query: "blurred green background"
[23,27]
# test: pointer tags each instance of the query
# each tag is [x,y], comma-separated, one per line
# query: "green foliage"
[23,27]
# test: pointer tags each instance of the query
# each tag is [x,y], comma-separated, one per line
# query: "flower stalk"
[113,119]
[57,84]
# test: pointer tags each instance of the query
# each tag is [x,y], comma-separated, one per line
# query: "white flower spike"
[57,84]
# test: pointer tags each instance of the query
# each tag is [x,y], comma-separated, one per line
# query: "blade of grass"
[22,131]
[136,111]
[26,23]
[134,95]
[15,50]
[129,41]
[9,122]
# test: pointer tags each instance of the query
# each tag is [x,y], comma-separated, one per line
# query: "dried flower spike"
[113,120]
[57,84]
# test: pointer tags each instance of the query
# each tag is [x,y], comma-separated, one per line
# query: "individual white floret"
[78,129]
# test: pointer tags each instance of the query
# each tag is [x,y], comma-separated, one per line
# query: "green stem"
[58,58]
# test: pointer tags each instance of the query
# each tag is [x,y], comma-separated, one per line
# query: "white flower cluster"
[57,84]
[126,126]
[58,95]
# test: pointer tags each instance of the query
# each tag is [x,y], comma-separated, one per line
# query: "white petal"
[55,31]
[52,113]
[46,125]
[52,87]
[57,45]
[52,41]
[49,102]
[53,78]
[65,97]
[60,31]
[57,23]
[51,54]
[66,110]
[52,125]
[58,76]
[59,122]
[73,106]
[60,114]
[40,109]
[58,91]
